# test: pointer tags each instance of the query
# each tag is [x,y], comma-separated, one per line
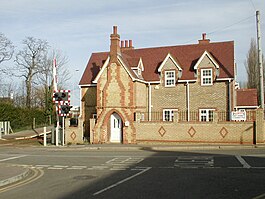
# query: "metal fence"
[192,116]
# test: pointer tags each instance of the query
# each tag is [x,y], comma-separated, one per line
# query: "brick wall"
[115,93]
[225,132]
[89,96]
[214,96]
[202,132]
[74,134]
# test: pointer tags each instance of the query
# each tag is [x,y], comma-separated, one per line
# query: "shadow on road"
[167,174]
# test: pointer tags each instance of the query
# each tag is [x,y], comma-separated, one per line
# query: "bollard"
[44,137]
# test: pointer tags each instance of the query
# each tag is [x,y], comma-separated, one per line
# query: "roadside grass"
[28,142]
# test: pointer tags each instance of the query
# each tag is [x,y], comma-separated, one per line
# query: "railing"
[193,116]
[225,116]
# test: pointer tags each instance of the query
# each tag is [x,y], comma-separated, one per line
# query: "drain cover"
[84,177]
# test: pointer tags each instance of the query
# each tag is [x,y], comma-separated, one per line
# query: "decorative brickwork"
[162,131]
[223,132]
[191,131]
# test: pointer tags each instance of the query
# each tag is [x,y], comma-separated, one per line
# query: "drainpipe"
[149,101]
[229,99]
[188,101]
[81,109]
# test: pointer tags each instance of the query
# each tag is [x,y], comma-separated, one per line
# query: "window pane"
[170,78]
[210,115]
[206,77]
[166,115]
[206,115]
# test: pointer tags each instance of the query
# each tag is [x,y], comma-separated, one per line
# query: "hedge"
[21,118]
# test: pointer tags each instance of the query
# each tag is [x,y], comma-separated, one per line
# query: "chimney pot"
[126,44]
[122,44]
[115,30]
[203,36]
[130,43]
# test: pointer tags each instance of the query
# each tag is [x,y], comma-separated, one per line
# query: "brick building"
[166,84]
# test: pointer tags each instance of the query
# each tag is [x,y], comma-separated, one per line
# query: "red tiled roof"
[247,97]
[187,56]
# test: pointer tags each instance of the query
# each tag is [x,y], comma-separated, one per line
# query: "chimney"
[126,45]
[130,44]
[122,44]
[203,36]
[204,40]
[114,43]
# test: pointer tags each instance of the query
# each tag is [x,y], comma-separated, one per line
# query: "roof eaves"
[101,70]
[125,67]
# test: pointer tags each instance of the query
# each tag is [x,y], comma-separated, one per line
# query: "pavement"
[27,134]
[10,173]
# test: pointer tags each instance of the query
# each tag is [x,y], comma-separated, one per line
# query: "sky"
[80,27]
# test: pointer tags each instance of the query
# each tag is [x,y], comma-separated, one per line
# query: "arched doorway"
[115,128]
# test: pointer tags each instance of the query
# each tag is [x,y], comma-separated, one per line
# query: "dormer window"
[170,78]
[206,77]
[139,71]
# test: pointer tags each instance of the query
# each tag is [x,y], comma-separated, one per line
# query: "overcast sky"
[80,27]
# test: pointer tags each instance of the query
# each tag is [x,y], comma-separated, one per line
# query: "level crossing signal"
[61,96]
[64,110]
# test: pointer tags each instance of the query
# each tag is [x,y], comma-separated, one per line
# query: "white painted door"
[116,128]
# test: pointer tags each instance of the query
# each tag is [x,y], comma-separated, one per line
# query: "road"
[64,173]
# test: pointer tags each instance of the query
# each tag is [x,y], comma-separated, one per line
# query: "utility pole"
[260,62]
[56,105]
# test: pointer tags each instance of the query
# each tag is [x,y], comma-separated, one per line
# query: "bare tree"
[29,62]
[252,67]
[6,48]
[45,77]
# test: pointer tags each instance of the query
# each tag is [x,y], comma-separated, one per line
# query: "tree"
[252,67]
[6,48]
[29,61]
[45,77]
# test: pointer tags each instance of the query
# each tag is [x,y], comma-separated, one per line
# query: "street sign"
[239,115]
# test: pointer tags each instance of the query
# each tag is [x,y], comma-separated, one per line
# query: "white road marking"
[77,167]
[194,162]
[243,162]
[60,166]
[12,158]
[122,181]
[55,168]
[82,167]
[112,160]
[117,169]
[42,165]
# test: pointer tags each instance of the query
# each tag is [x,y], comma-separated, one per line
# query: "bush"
[21,118]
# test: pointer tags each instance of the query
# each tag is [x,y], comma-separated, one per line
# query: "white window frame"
[208,114]
[207,79]
[170,117]
[171,79]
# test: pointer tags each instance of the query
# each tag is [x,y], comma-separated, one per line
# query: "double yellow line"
[35,175]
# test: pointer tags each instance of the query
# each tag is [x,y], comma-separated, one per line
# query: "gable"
[170,62]
[206,60]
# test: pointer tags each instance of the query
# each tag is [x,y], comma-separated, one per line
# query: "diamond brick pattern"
[223,132]
[162,131]
[191,132]
[73,135]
